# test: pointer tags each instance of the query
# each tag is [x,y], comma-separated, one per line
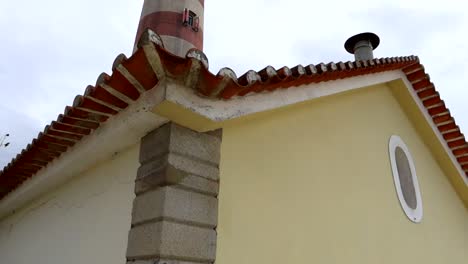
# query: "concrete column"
[175,211]
[165,17]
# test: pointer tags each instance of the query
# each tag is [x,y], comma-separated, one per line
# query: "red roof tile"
[135,75]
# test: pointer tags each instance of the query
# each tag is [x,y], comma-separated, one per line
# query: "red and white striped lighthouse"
[178,22]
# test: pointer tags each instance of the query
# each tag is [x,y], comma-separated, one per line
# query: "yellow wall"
[84,221]
[312,183]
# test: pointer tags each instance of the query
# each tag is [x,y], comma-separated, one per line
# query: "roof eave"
[183,104]
[117,134]
[183,90]
[423,122]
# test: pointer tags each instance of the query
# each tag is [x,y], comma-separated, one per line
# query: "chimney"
[178,22]
[362,46]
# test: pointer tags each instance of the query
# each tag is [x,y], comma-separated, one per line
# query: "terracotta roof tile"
[77,122]
[151,62]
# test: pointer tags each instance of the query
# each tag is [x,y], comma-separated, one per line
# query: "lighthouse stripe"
[150,7]
[170,24]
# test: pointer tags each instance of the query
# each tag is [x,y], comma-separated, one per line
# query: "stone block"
[149,261]
[149,206]
[155,144]
[160,173]
[193,182]
[202,146]
[182,163]
[172,241]
[174,138]
[174,203]
[154,167]
[170,261]
[162,261]
[216,133]
[195,167]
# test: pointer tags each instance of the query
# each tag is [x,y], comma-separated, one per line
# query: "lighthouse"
[178,22]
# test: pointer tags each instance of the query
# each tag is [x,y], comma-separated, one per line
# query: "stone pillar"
[175,211]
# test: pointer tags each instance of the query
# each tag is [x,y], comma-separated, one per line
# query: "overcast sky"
[52,49]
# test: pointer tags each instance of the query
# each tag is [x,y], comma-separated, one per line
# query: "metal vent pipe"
[362,46]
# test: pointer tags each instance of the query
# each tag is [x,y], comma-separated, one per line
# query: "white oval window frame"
[415,215]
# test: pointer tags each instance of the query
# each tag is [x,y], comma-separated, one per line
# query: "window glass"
[405,179]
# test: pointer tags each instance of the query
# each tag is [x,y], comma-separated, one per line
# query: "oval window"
[405,179]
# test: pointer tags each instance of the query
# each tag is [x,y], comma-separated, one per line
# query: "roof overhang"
[184,106]
[153,87]
[117,134]
[436,140]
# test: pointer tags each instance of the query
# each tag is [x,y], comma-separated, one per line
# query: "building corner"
[175,211]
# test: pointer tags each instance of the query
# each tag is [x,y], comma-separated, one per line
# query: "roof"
[134,76]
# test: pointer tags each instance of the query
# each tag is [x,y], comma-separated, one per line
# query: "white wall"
[83,221]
